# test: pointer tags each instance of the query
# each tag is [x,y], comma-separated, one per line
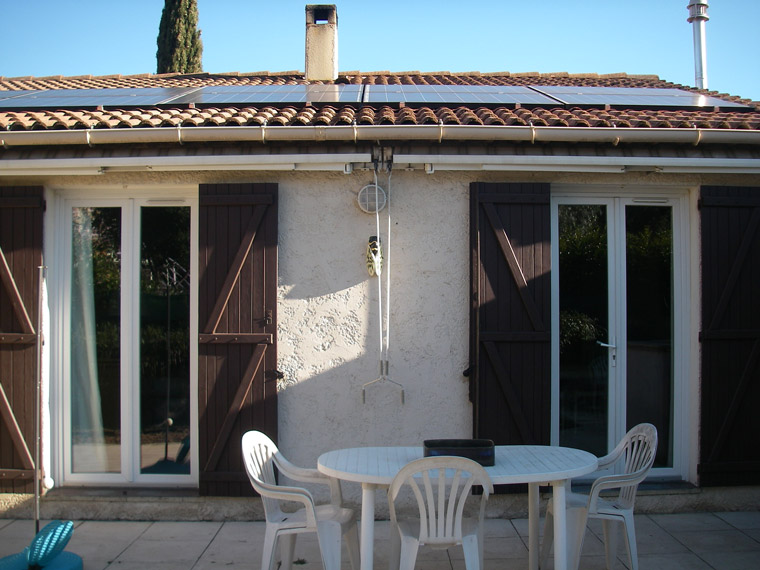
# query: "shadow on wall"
[328,334]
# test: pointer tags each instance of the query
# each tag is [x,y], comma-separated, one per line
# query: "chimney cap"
[697,10]
[321,14]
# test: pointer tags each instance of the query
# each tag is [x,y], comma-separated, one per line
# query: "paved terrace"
[693,541]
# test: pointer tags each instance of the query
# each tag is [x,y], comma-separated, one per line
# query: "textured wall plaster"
[328,335]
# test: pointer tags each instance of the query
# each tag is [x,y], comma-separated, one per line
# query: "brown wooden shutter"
[237,379]
[20,257]
[510,340]
[730,336]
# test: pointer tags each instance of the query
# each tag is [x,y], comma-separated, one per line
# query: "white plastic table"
[375,467]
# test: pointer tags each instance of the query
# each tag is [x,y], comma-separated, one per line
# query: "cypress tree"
[179,41]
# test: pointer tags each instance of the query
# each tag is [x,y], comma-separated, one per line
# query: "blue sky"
[105,37]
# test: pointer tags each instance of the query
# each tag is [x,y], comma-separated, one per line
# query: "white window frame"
[59,281]
[617,197]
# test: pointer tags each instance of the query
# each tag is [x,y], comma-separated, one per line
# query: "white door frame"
[616,198]
[59,291]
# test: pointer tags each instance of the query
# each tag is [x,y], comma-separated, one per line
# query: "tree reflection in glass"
[583,310]
[165,340]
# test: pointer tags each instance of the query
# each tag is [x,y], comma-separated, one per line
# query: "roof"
[406,114]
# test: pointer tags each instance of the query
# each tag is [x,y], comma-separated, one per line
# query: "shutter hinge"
[469,373]
[274,375]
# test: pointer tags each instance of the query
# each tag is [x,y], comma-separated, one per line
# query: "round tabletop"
[513,463]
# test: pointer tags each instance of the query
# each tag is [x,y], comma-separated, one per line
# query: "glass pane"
[95,340]
[649,286]
[165,340]
[583,314]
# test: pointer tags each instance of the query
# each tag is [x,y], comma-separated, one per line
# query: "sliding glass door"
[618,299]
[128,347]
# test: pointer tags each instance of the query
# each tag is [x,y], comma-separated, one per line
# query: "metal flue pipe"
[697,18]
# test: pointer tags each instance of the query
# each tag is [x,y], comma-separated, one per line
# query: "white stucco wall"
[328,342]
[328,334]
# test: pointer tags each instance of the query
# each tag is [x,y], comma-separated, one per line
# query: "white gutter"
[355,133]
[432,162]
[346,163]
[93,166]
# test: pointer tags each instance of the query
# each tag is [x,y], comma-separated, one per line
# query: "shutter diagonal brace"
[510,395]
[241,395]
[733,276]
[13,293]
[730,417]
[235,268]
[514,265]
[15,430]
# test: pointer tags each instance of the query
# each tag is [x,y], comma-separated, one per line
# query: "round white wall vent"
[371,199]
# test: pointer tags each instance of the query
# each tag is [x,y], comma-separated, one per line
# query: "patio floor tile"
[182,531]
[677,561]
[716,541]
[742,520]
[694,541]
[690,522]
[733,560]
[499,528]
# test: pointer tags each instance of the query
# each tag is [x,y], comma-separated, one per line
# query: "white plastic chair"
[637,450]
[330,522]
[441,486]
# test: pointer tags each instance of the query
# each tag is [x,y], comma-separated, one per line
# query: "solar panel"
[300,94]
[15,95]
[243,94]
[118,97]
[456,94]
[633,97]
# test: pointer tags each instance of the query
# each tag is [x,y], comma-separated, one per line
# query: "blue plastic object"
[46,551]
[48,543]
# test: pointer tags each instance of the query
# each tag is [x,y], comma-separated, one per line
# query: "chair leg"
[471,549]
[328,534]
[394,556]
[481,543]
[548,539]
[610,529]
[270,543]
[630,541]
[408,557]
[351,537]
[287,550]
[576,532]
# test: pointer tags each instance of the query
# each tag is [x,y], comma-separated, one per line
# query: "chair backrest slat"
[258,456]
[441,486]
[639,452]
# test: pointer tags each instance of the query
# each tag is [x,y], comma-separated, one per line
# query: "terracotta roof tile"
[360,113]
[366,116]
[329,115]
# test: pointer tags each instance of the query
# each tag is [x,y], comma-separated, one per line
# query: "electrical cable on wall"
[377,262]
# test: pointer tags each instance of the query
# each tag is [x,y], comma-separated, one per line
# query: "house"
[565,256]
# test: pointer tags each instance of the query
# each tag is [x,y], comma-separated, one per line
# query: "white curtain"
[88,442]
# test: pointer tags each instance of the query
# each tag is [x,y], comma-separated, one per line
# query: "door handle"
[613,354]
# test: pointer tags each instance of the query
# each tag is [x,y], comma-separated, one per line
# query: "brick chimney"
[321,42]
